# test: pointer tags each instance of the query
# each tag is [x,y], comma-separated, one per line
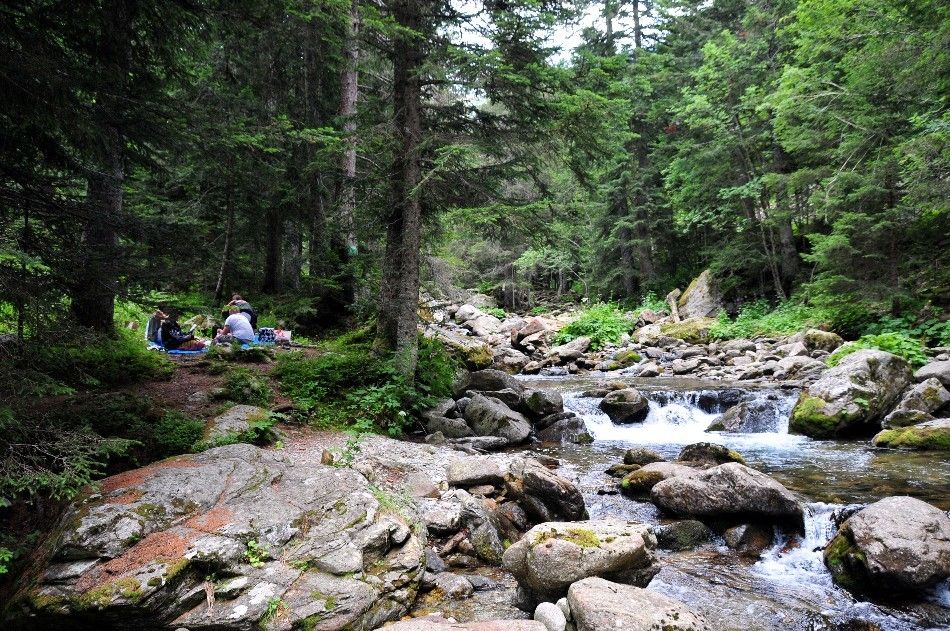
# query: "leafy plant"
[6,560]
[603,323]
[651,302]
[176,433]
[495,311]
[256,553]
[898,344]
[759,319]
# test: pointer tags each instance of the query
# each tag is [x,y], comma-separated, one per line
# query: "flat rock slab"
[474,471]
[600,605]
[437,623]
[277,527]
[235,420]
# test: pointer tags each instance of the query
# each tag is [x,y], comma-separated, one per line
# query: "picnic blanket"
[154,346]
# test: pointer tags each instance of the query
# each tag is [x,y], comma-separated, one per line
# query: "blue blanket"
[158,347]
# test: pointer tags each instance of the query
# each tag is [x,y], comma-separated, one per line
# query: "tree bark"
[273,254]
[93,298]
[349,89]
[221,285]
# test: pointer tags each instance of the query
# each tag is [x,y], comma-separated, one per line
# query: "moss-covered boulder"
[918,404]
[818,340]
[851,398]
[898,545]
[638,484]
[931,435]
[709,454]
[692,330]
[702,298]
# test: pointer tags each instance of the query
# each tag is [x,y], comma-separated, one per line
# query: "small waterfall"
[798,560]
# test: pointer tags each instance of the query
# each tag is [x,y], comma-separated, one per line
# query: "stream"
[788,588]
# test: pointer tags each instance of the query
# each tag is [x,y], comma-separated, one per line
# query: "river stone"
[931,435]
[851,398]
[442,408]
[625,406]
[569,430]
[541,403]
[474,471]
[314,527]
[729,492]
[798,368]
[702,298]
[641,456]
[599,605]
[640,482]
[570,351]
[235,420]
[649,369]
[749,539]
[491,417]
[553,555]
[551,616]
[449,427]
[709,454]
[918,404]
[488,380]
[544,495]
[453,585]
[683,535]
[939,370]
[438,623]
[818,340]
[897,544]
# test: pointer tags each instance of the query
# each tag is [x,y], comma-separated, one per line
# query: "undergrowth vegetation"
[347,385]
[603,323]
[897,343]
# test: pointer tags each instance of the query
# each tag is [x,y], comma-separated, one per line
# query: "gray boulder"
[851,398]
[449,427]
[918,404]
[639,483]
[818,340]
[641,456]
[568,430]
[552,556]
[488,380]
[598,605]
[570,351]
[544,495]
[702,298]
[939,370]
[142,549]
[625,406]
[896,545]
[540,403]
[798,367]
[491,417]
[730,492]
[551,616]
[234,421]
[474,471]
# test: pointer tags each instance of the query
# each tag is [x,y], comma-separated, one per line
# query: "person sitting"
[244,307]
[237,328]
[173,338]
[154,326]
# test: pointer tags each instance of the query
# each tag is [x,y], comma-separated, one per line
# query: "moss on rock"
[693,330]
[809,418]
[639,483]
[926,436]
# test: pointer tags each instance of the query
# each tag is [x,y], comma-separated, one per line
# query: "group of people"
[239,324]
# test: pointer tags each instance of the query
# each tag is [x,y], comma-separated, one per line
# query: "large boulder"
[474,471]
[709,454]
[553,555]
[729,493]
[798,367]
[895,545]
[702,298]
[818,340]
[544,495]
[273,527]
[851,398]
[570,351]
[625,406]
[931,435]
[939,370]
[694,330]
[918,404]
[598,605]
[490,417]
[488,380]
[639,483]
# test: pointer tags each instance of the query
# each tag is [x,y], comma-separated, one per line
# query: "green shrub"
[176,434]
[495,311]
[651,302]
[603,323]
[260,431]
[6,560]
[759,319]
[927,328]
[243,385]
[99,361]
[898,344]
[538,310]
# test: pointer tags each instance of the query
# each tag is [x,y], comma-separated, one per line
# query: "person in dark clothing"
[245,307]
[173,338]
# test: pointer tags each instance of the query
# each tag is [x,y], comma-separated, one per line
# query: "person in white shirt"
[237,328]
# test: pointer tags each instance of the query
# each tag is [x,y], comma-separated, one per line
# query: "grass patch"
[758,318]
[603,323]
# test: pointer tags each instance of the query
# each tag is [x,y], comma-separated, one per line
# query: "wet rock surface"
[597,605]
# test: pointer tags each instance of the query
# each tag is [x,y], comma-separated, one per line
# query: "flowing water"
[788,588]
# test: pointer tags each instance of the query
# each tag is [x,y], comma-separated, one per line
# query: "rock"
[420,485]
[149,541]
[918,404]
[749,539]
[683,535]
[532,368]
[640,482]
[599,605]
[851,398]
[730,492]
[798,368]
[692,330]
[484,325]
[625,406]
[553,555]
[511,398]
[641,456]
[795,349]
[509,359]
[818,340]
[702,298]
[570,351]
[453,585]
[488,380]
[491,417]
[442,409]
[709,454]
[473,471]
[626,357]
[749,417]
[438,623]
[895,545]
[467,312]
[544,495]
[649,369]
[738,346]
[931,435]
[684,366]
[487,543]
[569,430]
[565,608]
[236,420]
[939,370]
[448,427]
[541,403]
[551,616]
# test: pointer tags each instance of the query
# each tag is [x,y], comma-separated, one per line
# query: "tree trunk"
[318,242]
[273,255]
[93,299]
[349,93]
[637,30]
[627,264]
[221,285]
[292,254]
